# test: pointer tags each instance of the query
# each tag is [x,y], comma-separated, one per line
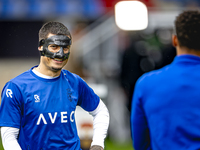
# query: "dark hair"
[187,26]
[53,28]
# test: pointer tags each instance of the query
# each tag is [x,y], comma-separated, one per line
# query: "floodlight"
[131,15]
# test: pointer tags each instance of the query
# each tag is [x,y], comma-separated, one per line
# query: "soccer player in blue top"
[38,106]
[165,111]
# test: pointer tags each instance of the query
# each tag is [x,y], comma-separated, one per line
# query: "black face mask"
[60,40]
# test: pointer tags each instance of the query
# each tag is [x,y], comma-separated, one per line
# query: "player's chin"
[55,69]
[58,66]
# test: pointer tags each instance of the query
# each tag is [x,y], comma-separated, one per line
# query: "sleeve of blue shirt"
[139,125]
[88,100]
[10,110]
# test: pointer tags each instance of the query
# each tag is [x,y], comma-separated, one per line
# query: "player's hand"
[96,147]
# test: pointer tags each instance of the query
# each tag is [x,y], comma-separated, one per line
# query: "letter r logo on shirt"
[9,93]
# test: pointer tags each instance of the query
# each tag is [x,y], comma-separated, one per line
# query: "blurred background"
[107,57]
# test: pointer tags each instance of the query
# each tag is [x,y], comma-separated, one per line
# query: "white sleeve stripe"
[100,124]
[9,138]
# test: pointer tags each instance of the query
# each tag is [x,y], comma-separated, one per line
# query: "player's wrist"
[96,147]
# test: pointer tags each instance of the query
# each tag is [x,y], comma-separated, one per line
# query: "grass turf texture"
[109,145]
[1,147]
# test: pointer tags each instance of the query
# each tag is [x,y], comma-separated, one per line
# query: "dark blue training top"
[43,109]
[166,107]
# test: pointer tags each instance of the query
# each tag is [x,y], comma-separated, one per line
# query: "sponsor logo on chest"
[53,117]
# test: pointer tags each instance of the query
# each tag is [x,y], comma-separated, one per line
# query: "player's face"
[55,64]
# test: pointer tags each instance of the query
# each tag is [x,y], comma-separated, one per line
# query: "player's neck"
[185,51]
[46,71]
